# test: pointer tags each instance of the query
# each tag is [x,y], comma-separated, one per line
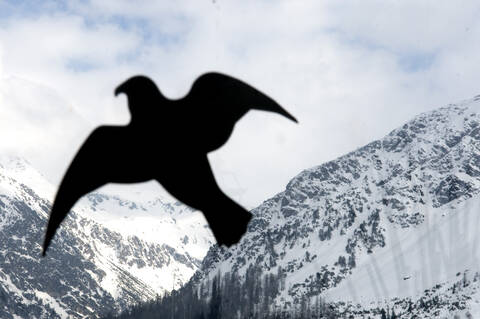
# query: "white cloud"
[349,71]
[410,25]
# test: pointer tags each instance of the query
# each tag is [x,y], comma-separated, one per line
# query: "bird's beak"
[120,89]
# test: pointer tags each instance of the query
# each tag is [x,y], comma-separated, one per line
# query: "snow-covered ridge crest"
[22,171]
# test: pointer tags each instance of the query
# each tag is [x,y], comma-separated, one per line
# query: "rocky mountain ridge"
[354,230]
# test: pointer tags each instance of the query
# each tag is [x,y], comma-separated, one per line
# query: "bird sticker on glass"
[134,153]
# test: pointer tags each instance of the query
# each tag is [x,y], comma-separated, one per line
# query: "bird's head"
[142,94]
[138,84]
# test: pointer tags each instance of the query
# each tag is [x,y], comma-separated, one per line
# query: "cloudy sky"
[350,71]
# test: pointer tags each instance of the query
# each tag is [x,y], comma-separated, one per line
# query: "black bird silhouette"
[167,140]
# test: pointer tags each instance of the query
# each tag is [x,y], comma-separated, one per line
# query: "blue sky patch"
[80,65]
[416,61]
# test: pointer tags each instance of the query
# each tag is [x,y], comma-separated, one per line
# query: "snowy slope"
[154,219]
[95,264]
[180,231]
[446,243]
[386,222]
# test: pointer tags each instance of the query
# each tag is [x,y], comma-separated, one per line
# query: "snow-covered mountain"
[392,226]
[98,262]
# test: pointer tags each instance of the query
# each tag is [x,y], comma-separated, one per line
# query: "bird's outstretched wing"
[218,101]
[88,171]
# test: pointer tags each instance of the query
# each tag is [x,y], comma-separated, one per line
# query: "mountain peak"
[13,163]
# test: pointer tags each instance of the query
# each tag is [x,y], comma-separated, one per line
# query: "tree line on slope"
[228,296]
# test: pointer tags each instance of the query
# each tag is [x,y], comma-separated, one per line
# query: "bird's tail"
[228,221]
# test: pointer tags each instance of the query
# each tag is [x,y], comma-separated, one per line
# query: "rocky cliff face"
[386,222]
[94,266]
